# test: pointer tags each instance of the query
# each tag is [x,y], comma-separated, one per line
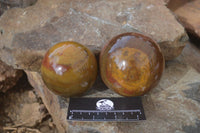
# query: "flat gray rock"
[26,34]
[171,107]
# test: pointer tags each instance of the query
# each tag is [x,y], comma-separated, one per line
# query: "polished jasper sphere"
[69,69]
[131,64]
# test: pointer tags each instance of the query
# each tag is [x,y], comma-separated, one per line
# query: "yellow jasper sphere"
[131,64]
[69,69]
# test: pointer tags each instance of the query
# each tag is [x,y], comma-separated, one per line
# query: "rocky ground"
[22,111]
[172,106]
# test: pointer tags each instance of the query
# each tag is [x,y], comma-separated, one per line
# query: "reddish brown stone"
[188,12]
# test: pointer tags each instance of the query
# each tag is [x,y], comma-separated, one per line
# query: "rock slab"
[173,106]
[188,13]
[26,34]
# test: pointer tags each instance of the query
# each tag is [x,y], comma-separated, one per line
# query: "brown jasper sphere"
[131,64]
[69,69]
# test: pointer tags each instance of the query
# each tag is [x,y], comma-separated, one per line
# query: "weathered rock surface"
[7,4]
[18,3]
[26,34]
[173,106]
[22,111]
[188,12]
[8,77]
[191,56]
[20,107]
